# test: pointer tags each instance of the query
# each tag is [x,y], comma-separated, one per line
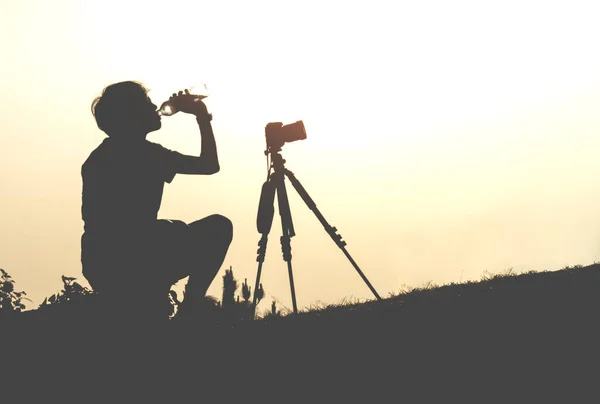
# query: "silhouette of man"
[127,254]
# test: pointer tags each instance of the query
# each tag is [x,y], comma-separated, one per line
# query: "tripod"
[276,184]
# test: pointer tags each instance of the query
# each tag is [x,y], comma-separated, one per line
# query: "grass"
[509,337]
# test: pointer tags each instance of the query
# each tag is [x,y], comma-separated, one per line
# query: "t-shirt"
[123,184]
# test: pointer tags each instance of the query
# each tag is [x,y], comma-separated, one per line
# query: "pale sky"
[445,139]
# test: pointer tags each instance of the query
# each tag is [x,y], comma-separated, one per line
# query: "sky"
[445,140]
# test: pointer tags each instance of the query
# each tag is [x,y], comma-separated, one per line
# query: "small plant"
[246,291]
[72,292]
[232,308]
[235,309]
[230,286]
[11,301]
[273,313]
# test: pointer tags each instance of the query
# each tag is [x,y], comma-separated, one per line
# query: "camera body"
[278,134]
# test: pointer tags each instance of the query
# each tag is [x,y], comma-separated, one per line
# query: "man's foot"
[206,307]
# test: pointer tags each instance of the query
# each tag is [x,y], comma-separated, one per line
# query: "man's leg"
[210,240]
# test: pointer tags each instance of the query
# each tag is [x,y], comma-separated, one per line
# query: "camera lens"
[293,131]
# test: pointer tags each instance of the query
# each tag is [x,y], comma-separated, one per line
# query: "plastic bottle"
[168,109]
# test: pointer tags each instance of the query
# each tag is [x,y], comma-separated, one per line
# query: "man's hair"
[114,107]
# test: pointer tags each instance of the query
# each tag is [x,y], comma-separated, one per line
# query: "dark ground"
[516,338]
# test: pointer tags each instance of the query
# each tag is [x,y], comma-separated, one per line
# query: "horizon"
[443,140]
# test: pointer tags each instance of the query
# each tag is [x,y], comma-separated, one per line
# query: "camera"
[278,134]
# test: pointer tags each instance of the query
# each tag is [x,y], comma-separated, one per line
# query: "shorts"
[149,257]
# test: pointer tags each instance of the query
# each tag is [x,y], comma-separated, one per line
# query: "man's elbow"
[207,166]
[213,169]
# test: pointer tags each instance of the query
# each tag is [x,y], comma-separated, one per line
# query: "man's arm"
[207,162]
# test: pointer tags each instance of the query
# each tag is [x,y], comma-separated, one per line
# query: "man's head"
[125,110]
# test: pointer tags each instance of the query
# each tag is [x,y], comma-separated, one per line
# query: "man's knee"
[223,227]
[220,228]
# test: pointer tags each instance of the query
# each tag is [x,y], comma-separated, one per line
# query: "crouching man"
[129,256]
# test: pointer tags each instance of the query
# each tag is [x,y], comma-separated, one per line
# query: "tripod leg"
[286,248]
[264,219]
[287,229]
[262,250]
[332,231]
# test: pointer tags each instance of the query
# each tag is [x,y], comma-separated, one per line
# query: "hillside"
[528,337]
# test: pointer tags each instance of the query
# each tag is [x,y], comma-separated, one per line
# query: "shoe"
[207,307]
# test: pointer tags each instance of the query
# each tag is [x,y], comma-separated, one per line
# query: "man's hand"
[188,103]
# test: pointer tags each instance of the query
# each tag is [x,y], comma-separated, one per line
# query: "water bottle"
[199,92]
